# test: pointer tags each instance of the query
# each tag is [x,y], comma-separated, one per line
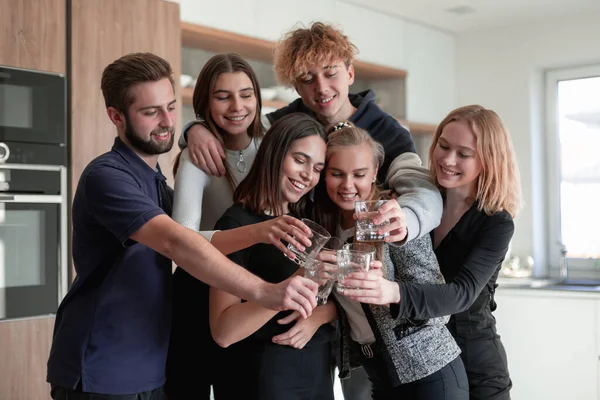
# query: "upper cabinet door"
[103,31]
[33,34]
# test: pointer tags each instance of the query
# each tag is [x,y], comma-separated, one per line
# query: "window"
[573,155]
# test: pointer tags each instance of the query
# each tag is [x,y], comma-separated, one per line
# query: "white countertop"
[544,288]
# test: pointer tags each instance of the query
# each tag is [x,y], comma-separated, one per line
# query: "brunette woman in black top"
[288,165]
[473,163]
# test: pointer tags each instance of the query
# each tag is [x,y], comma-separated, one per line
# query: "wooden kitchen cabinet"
[103,31]
[33,34]
[25,349]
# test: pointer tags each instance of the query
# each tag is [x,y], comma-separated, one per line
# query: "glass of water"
[361,247]
[366,230]
[319,238]
[324,270]
[356,260]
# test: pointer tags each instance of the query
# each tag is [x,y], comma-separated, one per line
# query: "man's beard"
[150,147]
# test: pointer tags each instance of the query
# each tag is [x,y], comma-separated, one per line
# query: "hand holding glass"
[361,248]
[349,261]
[366,248]
[366,230]
[324,270]
[319,238]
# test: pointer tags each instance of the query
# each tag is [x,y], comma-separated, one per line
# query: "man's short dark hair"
[124,73]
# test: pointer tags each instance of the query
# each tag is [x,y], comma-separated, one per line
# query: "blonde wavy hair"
[302,48]
[499,183]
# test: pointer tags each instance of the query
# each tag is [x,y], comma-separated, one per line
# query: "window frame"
[578,268]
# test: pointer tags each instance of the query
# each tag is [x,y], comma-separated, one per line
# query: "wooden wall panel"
[103,31]
[33,34]
[25,349]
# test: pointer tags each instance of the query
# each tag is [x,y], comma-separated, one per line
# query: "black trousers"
[267,371]
[60,393]
[487,368]
[449,383]
[482,353]
[193,354]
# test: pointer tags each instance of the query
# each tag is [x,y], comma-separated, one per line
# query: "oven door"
[33,259]
[32,106]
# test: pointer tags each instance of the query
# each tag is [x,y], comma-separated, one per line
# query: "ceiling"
[480,14]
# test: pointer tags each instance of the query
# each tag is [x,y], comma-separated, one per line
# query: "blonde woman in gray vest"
[403,358]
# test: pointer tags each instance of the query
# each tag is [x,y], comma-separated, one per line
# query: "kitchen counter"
[583,287]
[552,335]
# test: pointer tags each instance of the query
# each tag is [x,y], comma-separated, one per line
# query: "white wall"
[503,69]
[427,54]
[429,58]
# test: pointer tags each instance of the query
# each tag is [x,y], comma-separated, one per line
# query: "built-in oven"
[33,239]
[33,192]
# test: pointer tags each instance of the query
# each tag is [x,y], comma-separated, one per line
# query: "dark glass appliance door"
[32,106]
[30,255]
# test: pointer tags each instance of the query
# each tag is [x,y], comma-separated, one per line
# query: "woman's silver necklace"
[241,165]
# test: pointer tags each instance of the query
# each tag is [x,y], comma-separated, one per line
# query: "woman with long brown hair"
[227,99]
[287,167]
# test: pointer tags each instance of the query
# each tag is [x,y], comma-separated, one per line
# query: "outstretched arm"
[136,217]
[273,231]
[231,320]
[196,256]
[418,197]
[428,301]
[190,184]
[422,301]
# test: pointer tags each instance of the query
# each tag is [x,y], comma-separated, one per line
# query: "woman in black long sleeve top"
[473,164]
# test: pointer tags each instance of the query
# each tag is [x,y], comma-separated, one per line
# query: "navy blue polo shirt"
[112,328]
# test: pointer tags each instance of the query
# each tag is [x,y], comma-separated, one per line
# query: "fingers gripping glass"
[319,238]
[366,229]
[354,257]
[324,270]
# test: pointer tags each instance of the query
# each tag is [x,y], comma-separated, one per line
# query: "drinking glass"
[324,270]
[361,247]
[366,230]
[319,238]
[349,261]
